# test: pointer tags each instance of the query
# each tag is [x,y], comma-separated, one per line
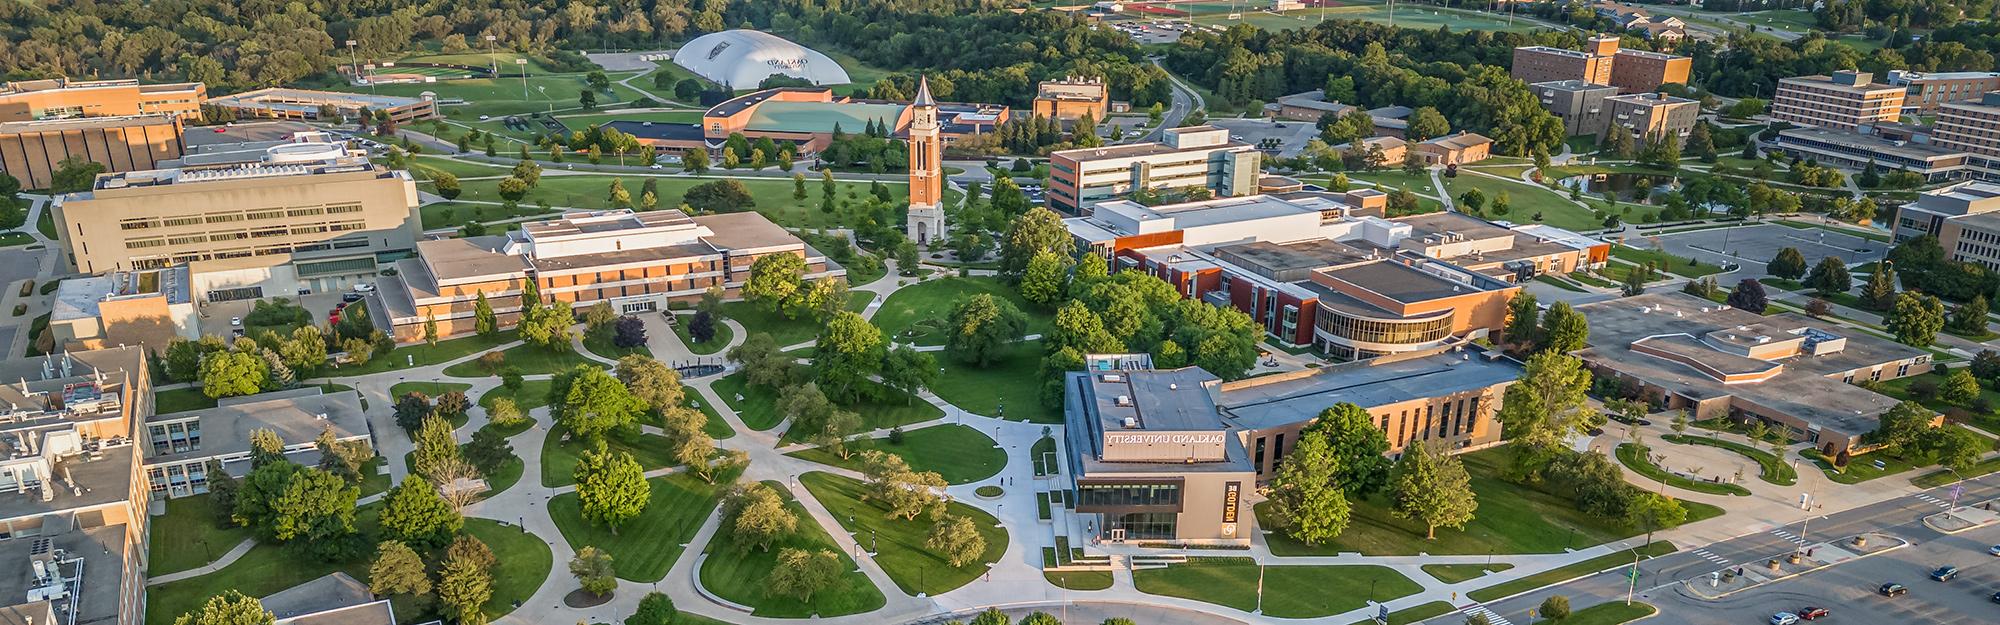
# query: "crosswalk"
[1491,616]
[1935,501]
[1711,557]
[1789,537]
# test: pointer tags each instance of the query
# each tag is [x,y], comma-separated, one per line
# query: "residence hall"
[179,446]
[638,261]
[1186,158]
[1962,216]
[1166,455]
[1601,62]
[1793,372]
[1319,270]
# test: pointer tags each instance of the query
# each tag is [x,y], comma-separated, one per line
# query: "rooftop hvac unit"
[1123,400]
[1131,423]
[1113,377]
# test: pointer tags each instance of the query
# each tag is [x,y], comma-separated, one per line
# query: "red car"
[1813,613]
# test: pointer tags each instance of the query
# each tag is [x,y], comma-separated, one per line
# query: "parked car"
[1944,573]
[1813,613]
[365,287]
[1784,618]
[1893,589]
[236,321]
[1995,550]
[350,297]
[1996,597]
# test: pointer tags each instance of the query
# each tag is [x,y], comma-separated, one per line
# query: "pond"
[1629,187]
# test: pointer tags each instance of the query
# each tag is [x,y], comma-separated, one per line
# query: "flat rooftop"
[1649,54]
[301,100]
[821,117]
[1211,212]
[1571,85]
[97,595]
[1556,51]
[1400,282]
[464,258]
[334,592]
[1869,143]
[1134,150]
[1170,400]
[1256,404]
[104,480]
[220,138]
[1290,261]
[79,298]
[84,123]
[1826,82]
[297,416]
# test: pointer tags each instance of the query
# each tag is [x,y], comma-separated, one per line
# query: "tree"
[528,171]
[1033,232]
[1701,144]
[908,370]
[1360,445]
[416,515]
[774,280]
[74,174]
[547,325]
[1788,264]
[465,582]
[848,351]
[1432,487]
[1829,277]
[489,450]
[1970,318]
[230,374]
[1653,512]
[701,327]
[1563,329]
[654,609]
[265,447]
[1749,296]
[1042,280]
[905,492]
[445,184]
[756,516]
[436,446]
[1959,387]
[651,382]
[597,403]
[1544,409]
[228,608]
[611,487]
[287,503]
[1880,291]
[956,539]
[628,333]
[1915,319]
[1426,123]
[1554,608]
[1523,320]
[398,570]
[1307,501]
[593,571]
[512,189]
[411,410]
[800,574]
[721,196]
[695,161]
[982,327]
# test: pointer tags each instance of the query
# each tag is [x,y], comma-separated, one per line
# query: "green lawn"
[1559,574]
[524,563]
[959,453]
[1664,261]
[739,573]
[458,214]
[1770,467]
[1455,573]
[502,96]
[559,458]
[583,121]
[1289,591]
[783,330]
[196,538]
[901,551]
[1939,478]
[1078,580]
[1512,518]
[1010,387]
[1859,469]
[715,427]
[47,224]
[1416,614]
[1899,388]
[425,164]
[645,547]
[758,406]
[772,196]
[917,314]
[429,389]
[757,409]
[600,343]
[533,394]
[714,344]
[1634,457]
[180,400]
[1524,201]
[529,359]
[1607,613]
[424,354]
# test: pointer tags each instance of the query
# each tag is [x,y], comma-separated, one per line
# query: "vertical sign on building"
[1232,495]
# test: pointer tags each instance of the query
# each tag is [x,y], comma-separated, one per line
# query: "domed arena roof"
[742,58]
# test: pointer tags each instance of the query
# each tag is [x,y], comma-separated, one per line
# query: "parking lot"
[215,317]
[1850,590]
[1290,136]
[1753,246]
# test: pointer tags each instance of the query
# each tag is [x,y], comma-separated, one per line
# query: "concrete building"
[333,599]
[1964,217]
[1195,156]
[147,307]
[1843,101]
[1642,71]
[32,151]
[1580,104]
[1455,149]
[307,217]
[1072,98]
[1926,91]
[1654,116]
[62,98]
[1973,127]
[1306,107]
[180,445]
[1168,455]
[1320,271]
[1855,150]
[637,261]
[1791,371]
[740,59]
[309,105]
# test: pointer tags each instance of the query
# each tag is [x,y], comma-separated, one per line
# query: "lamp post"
[353,60]
[495,63]
[522,63]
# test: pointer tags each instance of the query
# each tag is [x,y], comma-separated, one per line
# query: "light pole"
[495,63]
[522,63]
[353,60]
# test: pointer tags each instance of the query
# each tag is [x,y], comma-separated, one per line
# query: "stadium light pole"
[489,55]
[523,64]
[353,60]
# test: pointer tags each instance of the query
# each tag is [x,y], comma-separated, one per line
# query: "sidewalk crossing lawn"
[559,458]
[425,354]
[785,331]
[959,453]
[646,546]
[1524,201]
[1455,573]
[1010,387]
[1666,262]
[1512,518]
[902,553]
[1770,468]
[196,537]
[1607,613]
[1563,573]
[532,394]
[758,407]
[528,359]
[918,313]
[1416,614]
[1289,591]
[741,572]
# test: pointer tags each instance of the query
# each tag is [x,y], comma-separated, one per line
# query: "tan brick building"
[1929,90]
[32,151]
[1651,116]
[637,261]
[1843,101]
[1641,71]
[1601,62]
[63,98]
[1072,98]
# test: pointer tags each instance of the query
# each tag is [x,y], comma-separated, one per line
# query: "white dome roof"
[743,58]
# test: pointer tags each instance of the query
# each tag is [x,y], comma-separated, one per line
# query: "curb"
[694,574]
[1690,583]
[1927,523]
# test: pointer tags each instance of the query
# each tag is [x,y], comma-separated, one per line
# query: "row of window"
[147,223]
[185,479]
[1128,495]
[238,235]
[156,262]
[178,437]
[1389,332]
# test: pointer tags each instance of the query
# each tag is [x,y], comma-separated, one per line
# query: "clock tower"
[926,215]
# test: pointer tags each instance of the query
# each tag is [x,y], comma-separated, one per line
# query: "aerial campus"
[888,312]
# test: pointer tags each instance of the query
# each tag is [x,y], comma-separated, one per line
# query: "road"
[1845,585]
[1185,101]
[1709,20]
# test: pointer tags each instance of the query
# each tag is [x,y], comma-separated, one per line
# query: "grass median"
[1572,571]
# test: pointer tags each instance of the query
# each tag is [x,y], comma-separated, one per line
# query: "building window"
[1258,461]
[1128,495]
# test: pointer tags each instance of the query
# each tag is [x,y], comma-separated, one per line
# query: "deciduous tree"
[1915,319]
[611,487]
[1432,487]
[756,516]
[593,571]
[956,539]
[416,515]
[398,570]
[800,574]
[228,608]
[982,327]
[1305,498]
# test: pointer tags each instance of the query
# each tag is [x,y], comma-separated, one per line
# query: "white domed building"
[742,58]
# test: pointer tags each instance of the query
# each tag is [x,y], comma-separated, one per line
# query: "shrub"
[492,362]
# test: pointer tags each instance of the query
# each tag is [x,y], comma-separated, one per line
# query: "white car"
[485,117]
[656,166]
[1784,618]
[364,288]
[236,322]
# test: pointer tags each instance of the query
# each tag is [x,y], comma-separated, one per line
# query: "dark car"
[1893,589]
[350,297]
[1996,597]
[1944,573]
[1814,613]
